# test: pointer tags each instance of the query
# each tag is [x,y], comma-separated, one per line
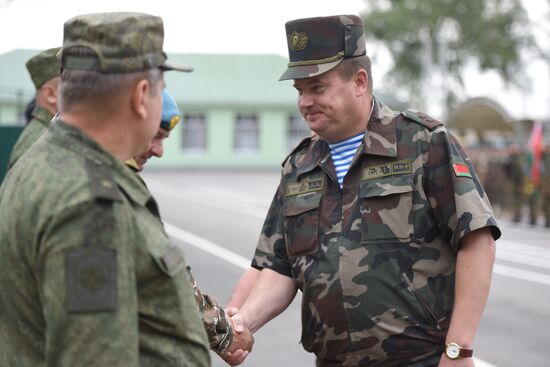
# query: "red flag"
[462,170]
[535,151]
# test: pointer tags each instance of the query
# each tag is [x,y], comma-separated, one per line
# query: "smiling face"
[331,106]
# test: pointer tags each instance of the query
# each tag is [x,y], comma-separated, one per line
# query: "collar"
[76,141]
[42,115]
[380,137]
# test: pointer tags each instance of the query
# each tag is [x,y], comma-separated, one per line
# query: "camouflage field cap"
[121,42]
[43,66]
[316,45]
[171,114]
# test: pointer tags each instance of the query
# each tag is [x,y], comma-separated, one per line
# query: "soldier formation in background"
[506,177]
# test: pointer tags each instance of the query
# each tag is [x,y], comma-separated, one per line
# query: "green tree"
[432,42]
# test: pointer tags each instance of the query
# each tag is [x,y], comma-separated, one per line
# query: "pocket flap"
[295,205]
[171,260]
[386,186]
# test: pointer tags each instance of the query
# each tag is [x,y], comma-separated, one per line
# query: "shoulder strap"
[102,182]
[422,119]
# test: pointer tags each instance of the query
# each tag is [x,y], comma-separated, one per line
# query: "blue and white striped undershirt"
[342,154]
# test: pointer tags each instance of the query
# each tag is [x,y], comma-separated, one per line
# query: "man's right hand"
[242,342]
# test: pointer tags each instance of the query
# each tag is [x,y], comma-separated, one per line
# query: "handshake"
[242,339]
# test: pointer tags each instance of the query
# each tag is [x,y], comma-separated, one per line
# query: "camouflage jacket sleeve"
[271,250]
[217,325]
[453,188]
[74,315]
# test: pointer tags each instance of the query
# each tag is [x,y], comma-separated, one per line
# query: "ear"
[361,80]
[138,100]
[50,93]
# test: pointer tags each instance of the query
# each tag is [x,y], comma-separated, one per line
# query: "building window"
[247,134]
[296,131]
[194,134]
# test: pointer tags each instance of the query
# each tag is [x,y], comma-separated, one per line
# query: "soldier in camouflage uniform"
[44,71]
[89,276]
[515,176]
[218,326]
[395,262]
[545,185]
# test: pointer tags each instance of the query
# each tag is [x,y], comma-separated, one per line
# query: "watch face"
[452,351]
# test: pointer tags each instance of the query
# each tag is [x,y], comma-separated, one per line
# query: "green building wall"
[221,87]
[220,152]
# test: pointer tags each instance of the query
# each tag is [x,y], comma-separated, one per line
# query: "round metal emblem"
[298,41]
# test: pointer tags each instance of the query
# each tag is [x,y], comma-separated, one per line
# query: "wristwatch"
[455,351]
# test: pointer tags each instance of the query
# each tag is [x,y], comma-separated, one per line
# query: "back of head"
[43,66]
[105,52]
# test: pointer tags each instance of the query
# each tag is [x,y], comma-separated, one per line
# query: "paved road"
[217,216]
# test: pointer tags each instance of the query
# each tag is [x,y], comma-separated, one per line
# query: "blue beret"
[171,114]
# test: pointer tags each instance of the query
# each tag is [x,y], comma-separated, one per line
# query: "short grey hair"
[348,67]
[87,86]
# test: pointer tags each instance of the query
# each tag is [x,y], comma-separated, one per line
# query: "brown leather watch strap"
[465,353]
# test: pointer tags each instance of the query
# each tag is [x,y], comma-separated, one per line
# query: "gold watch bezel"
[455,345]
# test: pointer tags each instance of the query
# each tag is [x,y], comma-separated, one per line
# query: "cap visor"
[166,66]
[307,71]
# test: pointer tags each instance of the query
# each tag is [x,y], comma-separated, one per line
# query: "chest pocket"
[301,223]
[387,210]
[168,257]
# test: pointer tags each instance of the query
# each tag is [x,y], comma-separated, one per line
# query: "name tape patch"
[305,186]
[393,168]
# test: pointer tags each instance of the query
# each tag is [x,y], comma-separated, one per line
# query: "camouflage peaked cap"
[317,45]
[43,66]
[121,42]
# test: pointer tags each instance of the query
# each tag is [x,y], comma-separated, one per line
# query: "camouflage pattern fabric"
[317,45]
[139,49]
[89,277]
[34,129]
[216,323]
[375,261]
[43,66]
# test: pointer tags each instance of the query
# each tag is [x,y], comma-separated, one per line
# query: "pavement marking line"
[531,276]
[235,259]
[211,199]
[524,228]
[207,246]
[524,254]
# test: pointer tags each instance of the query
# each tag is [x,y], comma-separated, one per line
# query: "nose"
[305,101]
[158,150]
